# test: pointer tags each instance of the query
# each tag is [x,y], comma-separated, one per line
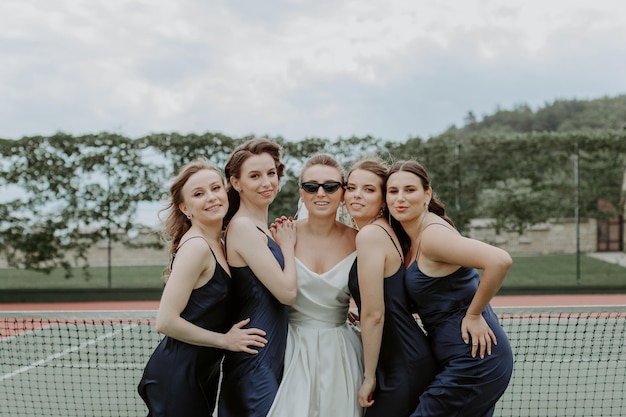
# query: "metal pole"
[457,191]
[457,199]
[577,211]
[109,277]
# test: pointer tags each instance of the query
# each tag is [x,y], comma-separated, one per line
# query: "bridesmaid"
[451,299]
[397,358]
[264,277]
[181,377]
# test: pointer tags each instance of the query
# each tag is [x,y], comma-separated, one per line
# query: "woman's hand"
[474,328]
[366,391]
[239,339]
[283,231]
[353,317]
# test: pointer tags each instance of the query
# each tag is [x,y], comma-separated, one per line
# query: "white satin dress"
[324,355]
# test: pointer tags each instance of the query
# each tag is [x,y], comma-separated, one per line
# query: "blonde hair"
[323,159]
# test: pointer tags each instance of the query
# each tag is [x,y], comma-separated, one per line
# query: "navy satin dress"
[465,386]
[406,365]
[182,379]
[250,382]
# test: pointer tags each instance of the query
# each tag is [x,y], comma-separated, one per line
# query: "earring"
[346,218]
[189,216]
[340,214]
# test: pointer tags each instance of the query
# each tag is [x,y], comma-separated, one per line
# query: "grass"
[527,272]
[121,277]
[560,271]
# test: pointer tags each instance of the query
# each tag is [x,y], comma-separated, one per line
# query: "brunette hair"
[177,224]
[434,206]
[233,166]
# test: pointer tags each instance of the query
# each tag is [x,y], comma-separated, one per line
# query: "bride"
[323,357]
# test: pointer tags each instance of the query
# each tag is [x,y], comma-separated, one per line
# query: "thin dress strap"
[394,243]
[185,241]
[419,244]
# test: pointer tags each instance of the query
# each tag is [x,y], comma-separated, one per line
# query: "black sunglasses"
[329,187]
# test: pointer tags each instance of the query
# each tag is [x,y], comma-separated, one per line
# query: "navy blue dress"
[182,379]
[465,386]
[406,364]
[250,382]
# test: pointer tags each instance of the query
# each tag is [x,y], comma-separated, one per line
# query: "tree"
[514,205]
[73,192]
[61,194]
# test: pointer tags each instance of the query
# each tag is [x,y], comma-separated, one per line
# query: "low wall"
[121,255]
[553,237]
[82,295]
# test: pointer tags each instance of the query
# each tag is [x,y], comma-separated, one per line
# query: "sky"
[392,69]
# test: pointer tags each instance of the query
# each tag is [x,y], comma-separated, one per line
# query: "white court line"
[116,365]
[65,352]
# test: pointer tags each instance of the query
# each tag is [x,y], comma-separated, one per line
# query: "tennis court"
[569,361]
[67,364]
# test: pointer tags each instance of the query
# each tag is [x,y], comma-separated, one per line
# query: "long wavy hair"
[176,223]
[233,166]
[434,206]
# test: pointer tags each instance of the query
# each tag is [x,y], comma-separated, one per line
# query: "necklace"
[378,216]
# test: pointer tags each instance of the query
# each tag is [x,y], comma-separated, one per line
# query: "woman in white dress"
[323,358]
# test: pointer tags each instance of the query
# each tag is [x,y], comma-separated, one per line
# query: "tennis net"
[568,362]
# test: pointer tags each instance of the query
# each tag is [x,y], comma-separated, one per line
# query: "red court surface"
[498,301]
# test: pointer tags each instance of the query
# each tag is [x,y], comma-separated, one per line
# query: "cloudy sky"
[392,69]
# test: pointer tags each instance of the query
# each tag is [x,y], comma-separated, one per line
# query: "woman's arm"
[371,267]
[250,245]
[194,260]
[447,247]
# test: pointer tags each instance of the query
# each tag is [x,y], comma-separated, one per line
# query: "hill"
[558,116]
